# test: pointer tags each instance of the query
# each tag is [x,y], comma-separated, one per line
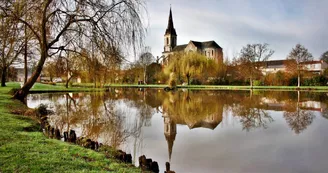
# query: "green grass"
[39,87]
[23,148]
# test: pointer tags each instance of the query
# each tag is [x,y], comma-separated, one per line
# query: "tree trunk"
[188,79]
[67,81]
[144,82]
[3,76]
[298,79]
[251,81]
[25,59]
[23,92]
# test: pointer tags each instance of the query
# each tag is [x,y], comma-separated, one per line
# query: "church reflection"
[190,109]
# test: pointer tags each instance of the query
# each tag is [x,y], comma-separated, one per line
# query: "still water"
[202,131]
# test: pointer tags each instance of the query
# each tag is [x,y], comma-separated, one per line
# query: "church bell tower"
[170,37]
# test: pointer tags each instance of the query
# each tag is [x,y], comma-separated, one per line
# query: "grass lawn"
[39,87]
[23,148]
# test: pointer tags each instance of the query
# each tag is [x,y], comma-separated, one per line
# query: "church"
[208,48]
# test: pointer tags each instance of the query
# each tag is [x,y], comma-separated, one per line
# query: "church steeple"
[170,132]
[170,27]
[170,37]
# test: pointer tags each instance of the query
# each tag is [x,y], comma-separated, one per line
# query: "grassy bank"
[23,148]
[39,87]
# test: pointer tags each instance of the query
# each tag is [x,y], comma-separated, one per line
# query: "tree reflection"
[300,119]
[251,112]
[96,117]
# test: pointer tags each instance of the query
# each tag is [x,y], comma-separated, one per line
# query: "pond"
[202,131]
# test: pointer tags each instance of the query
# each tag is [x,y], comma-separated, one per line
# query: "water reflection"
[121,117]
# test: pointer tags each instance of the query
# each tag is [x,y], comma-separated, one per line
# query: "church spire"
[170,27]
[170,133]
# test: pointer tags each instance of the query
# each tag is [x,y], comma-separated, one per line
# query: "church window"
[167,40]
[212,52]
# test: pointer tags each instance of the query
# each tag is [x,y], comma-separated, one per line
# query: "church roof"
[199,45]
[170,27]
[179,48]
[205,44]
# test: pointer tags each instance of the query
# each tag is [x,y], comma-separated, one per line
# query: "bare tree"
[11,44]
[69,24]
[300,54]
[145,59]
[251,57]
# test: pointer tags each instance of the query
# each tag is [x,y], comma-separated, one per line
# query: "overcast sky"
[234,23]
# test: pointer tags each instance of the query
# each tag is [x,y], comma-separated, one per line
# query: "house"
[316,67]
[274,66]
[208,48]
[20,72]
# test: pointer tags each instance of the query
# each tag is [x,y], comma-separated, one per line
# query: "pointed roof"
[170,27]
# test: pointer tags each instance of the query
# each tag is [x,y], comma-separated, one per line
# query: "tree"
[50,70]
[11,44]
[145,59]
[68,24]
[189,64]
[324,57]
[73,67]
[299,54]
[251,58]
[153,73]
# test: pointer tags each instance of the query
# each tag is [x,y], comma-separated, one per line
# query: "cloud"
[233,24]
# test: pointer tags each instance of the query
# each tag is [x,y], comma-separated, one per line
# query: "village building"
[273,66]
[208,48]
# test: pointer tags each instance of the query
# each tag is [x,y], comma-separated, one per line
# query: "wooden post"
[128,158]
[57,134]
[72,136]
[65,136]
[154,167]
[167,165]
[52,132]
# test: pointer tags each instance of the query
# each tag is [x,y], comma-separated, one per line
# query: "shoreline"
[25,148]
[87,87]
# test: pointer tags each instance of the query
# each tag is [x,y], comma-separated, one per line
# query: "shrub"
[42,110]
[195,81]
[292,81]
[319,80]
[218,81]
[257,83]
[172,81]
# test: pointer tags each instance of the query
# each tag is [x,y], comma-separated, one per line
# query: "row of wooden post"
[144,163]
